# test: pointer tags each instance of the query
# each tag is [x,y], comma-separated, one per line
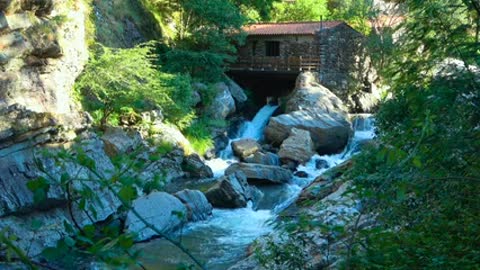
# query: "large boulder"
[309,94]
[195,166]
[197,204]
[232,191]
[259,173]
[312,107]
[265,158]
[330,133]
[162,210]
[245,147]
[223,104]
[297,147]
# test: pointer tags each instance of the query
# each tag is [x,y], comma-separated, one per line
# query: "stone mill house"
[332,48]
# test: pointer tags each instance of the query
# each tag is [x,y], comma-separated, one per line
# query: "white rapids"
[223,239]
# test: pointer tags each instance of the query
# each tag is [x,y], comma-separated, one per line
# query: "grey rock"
[223,104]
[329,132]
[301,174]
[117,141]
[321,164]
[245,147]
[263,158]
[259,173]
[232,191]
[160,209]
[309,94]
[197,204]
[196,167]
[236,91]
[19,166]
[297,147]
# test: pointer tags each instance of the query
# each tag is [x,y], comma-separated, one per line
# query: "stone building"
[332,48]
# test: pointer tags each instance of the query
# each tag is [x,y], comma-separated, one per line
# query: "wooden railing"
[265,63]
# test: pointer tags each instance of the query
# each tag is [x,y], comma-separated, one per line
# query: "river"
[223,239]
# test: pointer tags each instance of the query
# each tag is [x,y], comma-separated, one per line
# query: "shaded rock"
[298,146]
[117,141]
[321,164]
[162,210]
[19,165]
[259,173]
[196,167]
[47,49]
[236,91]
[256,196]
[231,191]
[329,132]
[301,174]
[41,7]
[4,4]
[169,167]
[197,204]
[196,98]
[223,104]
[245,147]
[263,158]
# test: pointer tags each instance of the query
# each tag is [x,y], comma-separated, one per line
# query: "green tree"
[357,13]
[127,81]
[422,178]
[300,10]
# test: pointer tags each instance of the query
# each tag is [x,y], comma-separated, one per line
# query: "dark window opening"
[272,48]
[254,48]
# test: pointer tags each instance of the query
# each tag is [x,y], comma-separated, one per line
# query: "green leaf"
[69,241]
[127,193]
[417,162]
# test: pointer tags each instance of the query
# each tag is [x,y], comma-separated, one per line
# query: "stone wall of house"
[289,46]
[346,68]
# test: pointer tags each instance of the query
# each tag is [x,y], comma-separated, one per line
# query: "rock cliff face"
[43,49]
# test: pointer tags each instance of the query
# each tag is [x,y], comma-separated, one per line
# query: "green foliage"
[356,12]
[423,177]
[286,253]
[300,10]
[202,43]
[199,134]
[120,82]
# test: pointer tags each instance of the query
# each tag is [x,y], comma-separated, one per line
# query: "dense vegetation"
[423,177]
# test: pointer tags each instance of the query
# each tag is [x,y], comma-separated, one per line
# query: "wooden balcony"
[285,64]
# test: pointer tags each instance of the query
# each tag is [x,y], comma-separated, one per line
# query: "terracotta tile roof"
[290,28]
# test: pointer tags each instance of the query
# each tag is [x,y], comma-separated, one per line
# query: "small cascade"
[250,130]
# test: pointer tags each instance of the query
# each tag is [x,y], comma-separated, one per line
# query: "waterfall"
[250,130]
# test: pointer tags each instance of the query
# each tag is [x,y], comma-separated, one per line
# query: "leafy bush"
[116,81]
[199,133]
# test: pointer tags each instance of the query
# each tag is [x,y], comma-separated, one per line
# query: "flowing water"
[223,239]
